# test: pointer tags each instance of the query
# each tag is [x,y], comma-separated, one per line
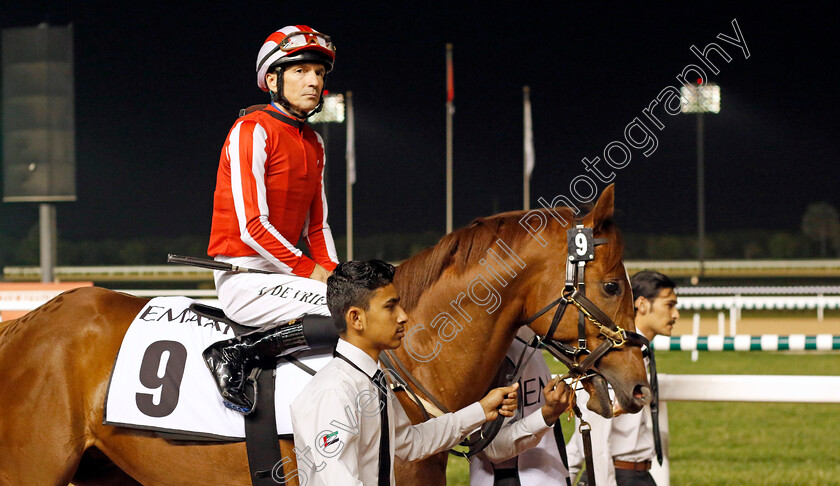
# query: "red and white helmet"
[294,43]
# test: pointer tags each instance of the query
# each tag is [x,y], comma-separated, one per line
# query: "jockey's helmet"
[293,44]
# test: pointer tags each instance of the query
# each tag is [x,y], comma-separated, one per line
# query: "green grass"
[732,443]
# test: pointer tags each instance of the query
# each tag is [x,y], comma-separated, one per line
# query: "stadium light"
[333,111]
[702,98]
[707,99]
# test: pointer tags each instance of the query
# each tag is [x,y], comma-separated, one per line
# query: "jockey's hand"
[320,274]
[558,397]
[500,401]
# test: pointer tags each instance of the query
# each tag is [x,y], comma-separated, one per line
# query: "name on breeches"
[286,292]
[157,313]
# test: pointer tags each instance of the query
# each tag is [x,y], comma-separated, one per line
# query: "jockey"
[269,193]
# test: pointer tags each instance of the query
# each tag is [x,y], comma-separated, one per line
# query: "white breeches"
[254,299]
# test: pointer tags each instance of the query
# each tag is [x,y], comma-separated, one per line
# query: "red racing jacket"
[270,192]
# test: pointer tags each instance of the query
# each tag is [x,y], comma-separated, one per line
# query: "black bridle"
[581,249]
[581,244]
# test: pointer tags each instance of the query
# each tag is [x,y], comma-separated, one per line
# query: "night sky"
[159,84]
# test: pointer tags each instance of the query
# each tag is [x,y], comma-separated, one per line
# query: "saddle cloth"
[160,381]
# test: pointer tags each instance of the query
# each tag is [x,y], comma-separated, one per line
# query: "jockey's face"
[384,319]
[302,85]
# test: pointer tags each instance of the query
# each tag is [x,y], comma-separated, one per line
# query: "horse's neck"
[463,368]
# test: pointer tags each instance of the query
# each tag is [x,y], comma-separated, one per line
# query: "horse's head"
[607,287]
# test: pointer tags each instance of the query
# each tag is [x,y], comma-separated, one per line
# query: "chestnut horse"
[467,297]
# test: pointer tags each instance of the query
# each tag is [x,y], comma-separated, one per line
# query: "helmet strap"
[279,98]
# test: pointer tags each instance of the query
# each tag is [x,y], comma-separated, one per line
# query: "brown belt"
[632,466]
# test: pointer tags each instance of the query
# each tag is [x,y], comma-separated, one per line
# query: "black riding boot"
[231,361]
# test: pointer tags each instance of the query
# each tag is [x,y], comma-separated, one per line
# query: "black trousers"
[624,477]
[506,477]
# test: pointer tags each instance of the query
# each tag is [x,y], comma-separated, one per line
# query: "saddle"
[264,457]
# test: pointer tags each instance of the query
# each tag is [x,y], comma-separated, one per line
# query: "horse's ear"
[603,209]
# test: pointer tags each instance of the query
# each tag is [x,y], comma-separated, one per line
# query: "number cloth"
[160,381]
[336,423]
[628,437]
[540,464]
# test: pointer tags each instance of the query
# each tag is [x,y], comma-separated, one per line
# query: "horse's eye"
[612,288]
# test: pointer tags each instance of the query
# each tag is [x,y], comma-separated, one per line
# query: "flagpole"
[450,109]
[528,147]
[350,156]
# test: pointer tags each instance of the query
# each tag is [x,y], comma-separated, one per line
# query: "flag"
[450,76]
[350,151]
[529,133]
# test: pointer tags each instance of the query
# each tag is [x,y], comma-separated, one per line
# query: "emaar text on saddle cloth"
[156,313]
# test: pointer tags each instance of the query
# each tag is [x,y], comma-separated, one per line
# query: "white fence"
[737,303]
[739,268]
[27,300]
[113,273]
[745,342]
[736,388]
[760,290]
[795,298]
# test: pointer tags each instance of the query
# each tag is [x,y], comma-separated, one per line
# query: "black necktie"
[654,404]
[384,442]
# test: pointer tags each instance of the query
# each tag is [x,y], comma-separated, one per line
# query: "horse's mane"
[466,246]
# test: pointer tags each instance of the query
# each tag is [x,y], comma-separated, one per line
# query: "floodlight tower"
[702,98]
[332,112]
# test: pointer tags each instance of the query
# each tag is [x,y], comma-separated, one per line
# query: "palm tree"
[821,223]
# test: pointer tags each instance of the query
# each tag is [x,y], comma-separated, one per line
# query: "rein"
[429,410]
[473,443]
